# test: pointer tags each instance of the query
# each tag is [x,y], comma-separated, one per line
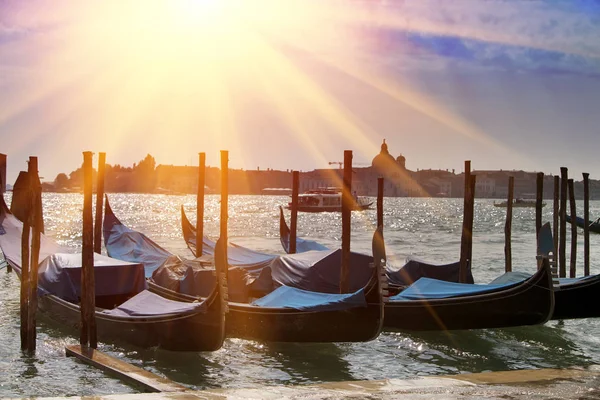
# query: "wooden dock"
[124,371]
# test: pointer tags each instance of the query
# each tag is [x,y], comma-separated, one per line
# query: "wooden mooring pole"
[467,228]
[2,173]
[539,195]
[562,244]
[573,264]
[380,202]
[3,189]
[586,224]
[555,215]
[25,284]
[99,203]
[346,220]
[88,297]
[36,219]
[508,226]
[294,211]
[224,198]
[200,204]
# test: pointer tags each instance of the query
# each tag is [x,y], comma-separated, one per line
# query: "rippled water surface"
[426,228]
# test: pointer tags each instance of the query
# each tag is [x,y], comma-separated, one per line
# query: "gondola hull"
[529,303]
[578,299]
[201,331]
[593,226]
[359,324]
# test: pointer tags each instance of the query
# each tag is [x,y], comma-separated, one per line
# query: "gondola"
[125,311]
[594,226]
[281,314]
[431,304]
[398,279]
[573,297]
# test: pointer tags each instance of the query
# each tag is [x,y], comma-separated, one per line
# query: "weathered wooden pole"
[508,225]
[346,214]
[99,203]
[538,202]
[294,210]
[466,231]
[3,188]
[2,173]
[562,244]
[88,296]
[200,204]
[380,202]
[573,265]
[36,218]
[224,198]
[25,284]
[586,224]
[555,214]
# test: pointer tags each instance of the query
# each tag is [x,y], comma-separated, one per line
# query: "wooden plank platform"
[124,371]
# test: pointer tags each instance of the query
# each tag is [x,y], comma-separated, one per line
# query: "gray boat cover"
[237,256]
[59,272]
[288,297]
[149,304]
[128,245]
[247,277]
[319,271]
[404,276]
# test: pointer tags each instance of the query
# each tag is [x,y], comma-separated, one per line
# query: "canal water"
[428,229]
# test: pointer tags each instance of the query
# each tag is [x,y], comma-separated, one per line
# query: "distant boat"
[328,199]
[519,203]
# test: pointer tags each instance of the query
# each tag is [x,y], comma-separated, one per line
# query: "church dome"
[384,160]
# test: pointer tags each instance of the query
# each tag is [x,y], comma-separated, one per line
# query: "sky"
[289,84]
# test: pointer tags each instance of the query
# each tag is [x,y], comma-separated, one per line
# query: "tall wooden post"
[200,204]
[555,214]
[27,197]
[36,219]
[346,214]
[562,245]
[88,295]
[224,199]
[3,187]
[379,202]
[538,203]
[508,226]
[573,265]
[466,231]
[99,203]
[294,217]
[586,224]
[2,173]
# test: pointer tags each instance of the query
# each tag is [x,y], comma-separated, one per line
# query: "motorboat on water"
[328,199]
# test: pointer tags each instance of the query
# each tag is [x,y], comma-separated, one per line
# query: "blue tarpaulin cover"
[59,272]
[128,245]
[288,297]
[60,275]
[319,271]
[415,269]
[426,288]
[149,304]
[516,276]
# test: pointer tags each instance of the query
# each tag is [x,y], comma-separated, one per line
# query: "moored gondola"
[125,311]
[436,305]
